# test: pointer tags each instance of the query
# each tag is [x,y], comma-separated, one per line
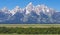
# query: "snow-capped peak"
[44,8]
[29,8]
[16,9]
[37,9]
[4,9]
[41,8]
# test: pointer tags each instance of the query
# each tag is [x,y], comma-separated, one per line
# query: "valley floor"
[30,25]
[29,34]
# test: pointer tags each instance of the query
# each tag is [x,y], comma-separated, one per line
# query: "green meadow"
[30,26]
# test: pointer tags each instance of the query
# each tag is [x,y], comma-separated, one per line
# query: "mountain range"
[29,15]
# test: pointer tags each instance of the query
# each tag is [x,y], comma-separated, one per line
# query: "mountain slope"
[30,14]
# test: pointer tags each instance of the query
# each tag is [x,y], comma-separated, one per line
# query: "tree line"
[52,30]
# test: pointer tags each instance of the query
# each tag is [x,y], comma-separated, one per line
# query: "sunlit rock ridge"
[39,14]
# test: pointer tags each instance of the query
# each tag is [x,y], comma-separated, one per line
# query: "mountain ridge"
[30,14]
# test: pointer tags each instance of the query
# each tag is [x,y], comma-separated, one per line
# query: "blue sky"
[10,4]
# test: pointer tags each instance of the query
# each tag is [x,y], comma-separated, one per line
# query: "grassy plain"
[30,25]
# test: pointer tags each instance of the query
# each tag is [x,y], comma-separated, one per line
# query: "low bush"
[30,30]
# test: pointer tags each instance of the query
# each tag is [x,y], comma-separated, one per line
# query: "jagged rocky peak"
[30,5]
[44,8]
[29,8]
[38,8]
[5,9]
[17,8]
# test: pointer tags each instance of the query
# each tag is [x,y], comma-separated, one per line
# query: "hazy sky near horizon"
[10,4]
